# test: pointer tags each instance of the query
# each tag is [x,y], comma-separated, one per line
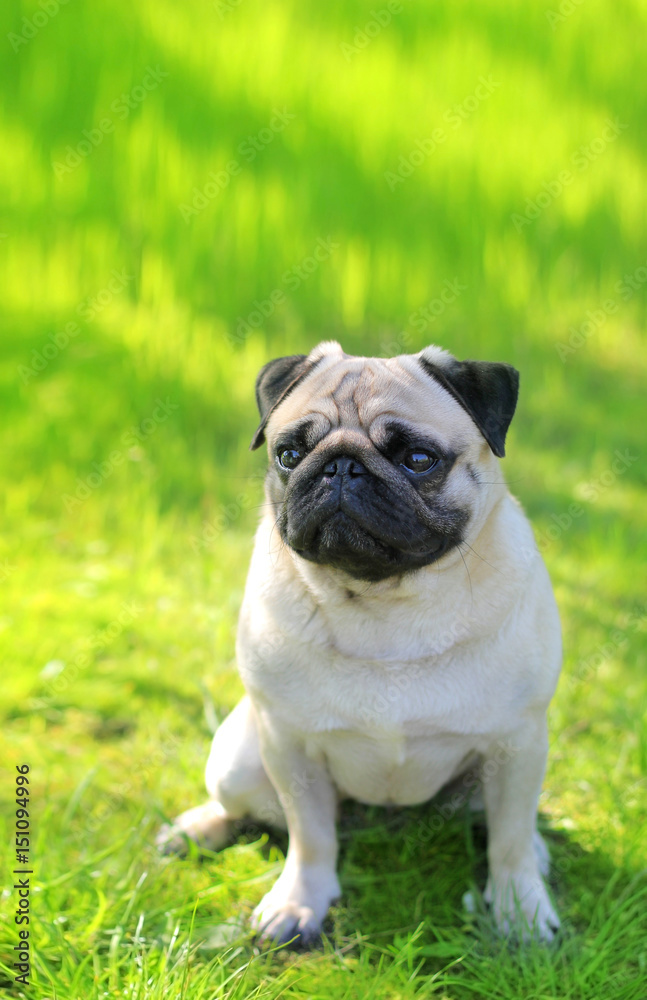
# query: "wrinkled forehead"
[358,392]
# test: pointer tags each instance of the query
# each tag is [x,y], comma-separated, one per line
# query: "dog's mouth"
[344,542]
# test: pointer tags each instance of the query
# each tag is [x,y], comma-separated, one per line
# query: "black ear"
[487,390]
[274,382]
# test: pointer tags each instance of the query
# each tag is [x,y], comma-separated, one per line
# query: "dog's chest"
[389,766]
[387,732]
[391,702]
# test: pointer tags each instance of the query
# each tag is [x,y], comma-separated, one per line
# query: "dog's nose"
[344,466]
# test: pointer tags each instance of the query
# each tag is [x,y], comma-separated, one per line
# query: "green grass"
[113,717]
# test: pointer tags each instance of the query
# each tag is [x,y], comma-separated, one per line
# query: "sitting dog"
[398,627]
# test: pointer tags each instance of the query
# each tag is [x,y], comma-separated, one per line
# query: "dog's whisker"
[280,545]
[495,568]
[469,576]
[501,482]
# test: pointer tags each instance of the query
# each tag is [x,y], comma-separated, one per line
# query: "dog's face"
[377,465]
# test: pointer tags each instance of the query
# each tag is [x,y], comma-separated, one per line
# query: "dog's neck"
[466,593]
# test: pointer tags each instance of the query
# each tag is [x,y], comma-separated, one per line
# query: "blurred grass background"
[114,715]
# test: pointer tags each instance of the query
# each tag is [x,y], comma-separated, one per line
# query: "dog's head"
[378,466]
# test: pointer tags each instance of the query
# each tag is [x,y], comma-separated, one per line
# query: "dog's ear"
[274,381]
[487,390]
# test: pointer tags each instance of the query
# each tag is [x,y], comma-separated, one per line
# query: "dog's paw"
[286,923]
[295,907]
[521,906]
[206,825]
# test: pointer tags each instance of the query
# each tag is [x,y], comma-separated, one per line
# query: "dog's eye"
[419,461]
[289,458]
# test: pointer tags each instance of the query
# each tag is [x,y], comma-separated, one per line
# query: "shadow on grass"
[404,876]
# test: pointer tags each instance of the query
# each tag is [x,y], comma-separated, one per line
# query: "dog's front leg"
[513,770]
[298,901]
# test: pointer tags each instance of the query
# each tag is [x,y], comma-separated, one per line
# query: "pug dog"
[398,629]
